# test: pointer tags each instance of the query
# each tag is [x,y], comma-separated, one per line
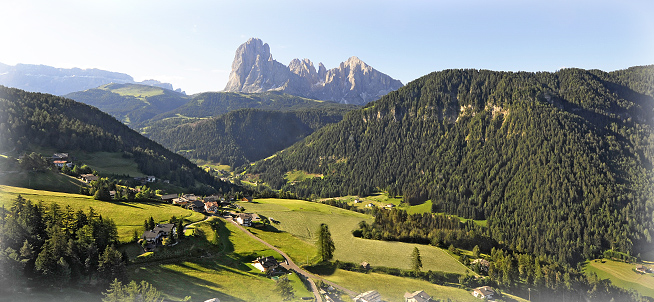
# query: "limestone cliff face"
[353,82]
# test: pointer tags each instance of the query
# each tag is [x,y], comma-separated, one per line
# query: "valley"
[535,185]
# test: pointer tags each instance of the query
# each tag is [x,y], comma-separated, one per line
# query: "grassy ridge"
[129,216]
[301,219]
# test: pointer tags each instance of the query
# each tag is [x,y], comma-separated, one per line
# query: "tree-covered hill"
[245,135]
[559,164]
[31,121]
[132,104]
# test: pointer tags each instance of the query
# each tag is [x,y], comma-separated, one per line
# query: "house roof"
[150,234]
[166,227]
[485,291]
[369,296]
[267,262]
[245,216]
[168,196]
[418,296]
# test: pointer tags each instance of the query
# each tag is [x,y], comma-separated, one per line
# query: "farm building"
[418,296]
[369,296]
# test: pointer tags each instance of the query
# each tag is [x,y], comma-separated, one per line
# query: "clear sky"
[191,43]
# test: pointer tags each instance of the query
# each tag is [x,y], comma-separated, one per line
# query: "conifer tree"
[325,243]
[416,260]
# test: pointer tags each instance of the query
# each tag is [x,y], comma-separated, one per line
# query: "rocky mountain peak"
[353,82]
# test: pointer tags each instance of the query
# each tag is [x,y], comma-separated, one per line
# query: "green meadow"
[302,218]
[224,271]
[129,216]
[623,275]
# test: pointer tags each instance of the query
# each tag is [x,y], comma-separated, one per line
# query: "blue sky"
[191,44]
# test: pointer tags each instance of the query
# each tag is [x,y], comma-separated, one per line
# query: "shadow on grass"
[323,269]
[179,284]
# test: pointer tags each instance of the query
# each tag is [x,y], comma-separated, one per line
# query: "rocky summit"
[352,82]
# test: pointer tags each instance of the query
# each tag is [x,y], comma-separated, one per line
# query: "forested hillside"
[31,121]
[245,135]
[559,164]
[132,104]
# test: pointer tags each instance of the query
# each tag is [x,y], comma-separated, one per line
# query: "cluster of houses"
[61,159]
[209,204]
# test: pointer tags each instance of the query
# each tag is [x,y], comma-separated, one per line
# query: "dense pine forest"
[559,164]
[245,135]
[30,121]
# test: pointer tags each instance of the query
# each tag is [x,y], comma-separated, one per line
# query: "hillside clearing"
[622,275]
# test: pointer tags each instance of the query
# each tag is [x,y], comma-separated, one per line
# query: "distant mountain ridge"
[132,104]
[60,81]
[353,82]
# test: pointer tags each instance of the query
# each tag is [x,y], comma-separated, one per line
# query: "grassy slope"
[107,163]
[222,275]
[622,274]
[129,216]
[302,218]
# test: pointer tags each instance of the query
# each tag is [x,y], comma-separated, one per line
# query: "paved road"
[290,265]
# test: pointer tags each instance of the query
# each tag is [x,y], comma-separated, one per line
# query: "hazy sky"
[191,43]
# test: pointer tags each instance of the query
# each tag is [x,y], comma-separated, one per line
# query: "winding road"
[290,265]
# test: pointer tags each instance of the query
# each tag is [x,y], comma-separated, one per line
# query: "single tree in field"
[325,243]
[416,260]
[476,252]
[285,289]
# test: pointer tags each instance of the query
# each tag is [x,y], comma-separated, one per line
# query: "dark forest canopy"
[34,120]
[245,135]
[559,164]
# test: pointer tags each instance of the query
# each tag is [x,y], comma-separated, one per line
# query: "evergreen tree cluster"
[244,135]
[29,120]
[559,164]
[57,247]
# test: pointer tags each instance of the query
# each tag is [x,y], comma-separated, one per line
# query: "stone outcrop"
[352,82]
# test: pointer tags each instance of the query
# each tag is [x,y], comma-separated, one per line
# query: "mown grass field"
[129,216]
[622,275]
[302,219]
[227,274]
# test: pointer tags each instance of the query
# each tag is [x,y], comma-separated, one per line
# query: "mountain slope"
[35,120]
[60,81]
[353,82]
[559,164]
[132,104]
[245,135]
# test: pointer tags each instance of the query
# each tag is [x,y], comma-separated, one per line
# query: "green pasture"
[129,216]
[48,180]
[302,218]
[138,91]
[392,288]
[622,274]
[299,175]
[224,272]
[107,163]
